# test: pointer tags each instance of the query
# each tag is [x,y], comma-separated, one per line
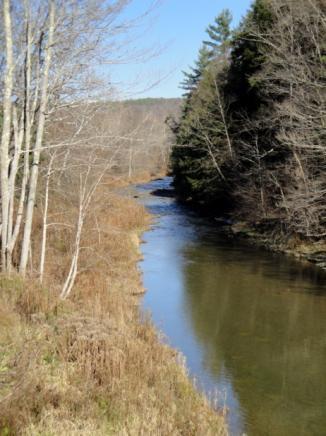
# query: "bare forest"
[58,135]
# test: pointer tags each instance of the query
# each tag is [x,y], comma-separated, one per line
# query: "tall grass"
[90,365]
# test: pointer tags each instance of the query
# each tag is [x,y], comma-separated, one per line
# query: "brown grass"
[89,365]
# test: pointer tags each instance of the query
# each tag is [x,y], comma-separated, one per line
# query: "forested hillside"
[251,141]
[145,136]
[131,132]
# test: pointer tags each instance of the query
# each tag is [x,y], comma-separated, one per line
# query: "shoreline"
[91,365]
[310,253]
[313,253]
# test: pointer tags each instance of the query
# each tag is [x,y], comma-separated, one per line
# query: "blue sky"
[178,26]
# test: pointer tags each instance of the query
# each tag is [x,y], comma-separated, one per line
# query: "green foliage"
[200,127]
[219,33]
[220,89]
[247,59]
[192,78]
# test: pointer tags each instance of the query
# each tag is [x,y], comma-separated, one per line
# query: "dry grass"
[89,365]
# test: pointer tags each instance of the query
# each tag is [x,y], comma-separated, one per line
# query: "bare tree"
[57,46]
[6,128]
[293,80]
[39,139]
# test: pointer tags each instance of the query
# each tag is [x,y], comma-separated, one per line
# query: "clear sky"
[179,26]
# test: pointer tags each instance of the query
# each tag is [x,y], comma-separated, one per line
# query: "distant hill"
[134,131]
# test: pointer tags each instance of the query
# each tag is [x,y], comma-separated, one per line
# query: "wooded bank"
[251,144]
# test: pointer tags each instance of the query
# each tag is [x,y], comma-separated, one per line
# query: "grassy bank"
[90,365]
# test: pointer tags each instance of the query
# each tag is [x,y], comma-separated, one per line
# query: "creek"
[251,324]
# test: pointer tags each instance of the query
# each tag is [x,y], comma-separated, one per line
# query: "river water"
[251,324]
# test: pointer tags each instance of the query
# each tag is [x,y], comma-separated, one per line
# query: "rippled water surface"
[251,324]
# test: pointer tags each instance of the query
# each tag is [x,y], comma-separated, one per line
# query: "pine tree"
[192,78]
[220,34]
[247,58]
[194,166]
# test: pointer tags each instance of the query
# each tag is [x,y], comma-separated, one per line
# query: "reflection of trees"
[271,341]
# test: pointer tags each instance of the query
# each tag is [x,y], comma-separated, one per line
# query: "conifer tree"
[192,78]
[200,134]
[220,34]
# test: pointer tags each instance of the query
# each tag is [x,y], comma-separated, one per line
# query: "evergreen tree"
[220,34]
[192,78]
[199,131]
[247,58]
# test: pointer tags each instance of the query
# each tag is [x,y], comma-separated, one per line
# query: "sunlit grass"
[89,365]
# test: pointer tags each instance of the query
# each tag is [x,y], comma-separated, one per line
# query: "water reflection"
[272,341]
[249,322]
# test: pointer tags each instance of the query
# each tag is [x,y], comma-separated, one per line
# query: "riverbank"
[268,237]
[264,233]
[91,365]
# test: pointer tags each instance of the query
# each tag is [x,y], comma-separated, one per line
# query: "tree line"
[251,139]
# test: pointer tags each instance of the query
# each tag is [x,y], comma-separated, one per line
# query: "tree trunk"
[5,137]
[71,277]
[38,145]
[45,217]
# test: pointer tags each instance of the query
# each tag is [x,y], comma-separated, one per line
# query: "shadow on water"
[251,324]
